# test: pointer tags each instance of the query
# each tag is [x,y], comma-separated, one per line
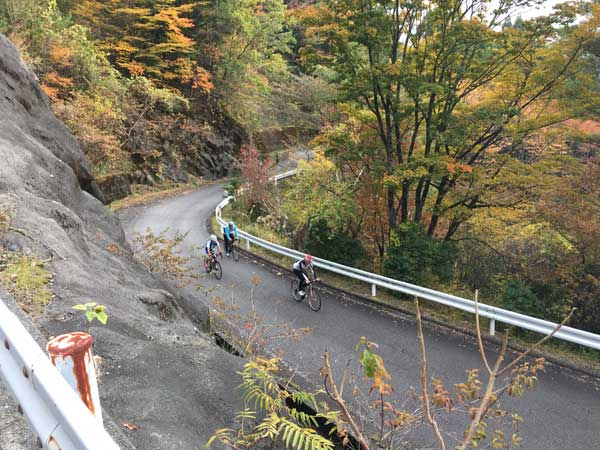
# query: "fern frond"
[298,438]
[304,397]
[262,401]
[249,440]
[303,418]
[246,414]
[269,427]
[222,434]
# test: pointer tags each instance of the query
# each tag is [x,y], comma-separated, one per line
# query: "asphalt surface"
[563,413]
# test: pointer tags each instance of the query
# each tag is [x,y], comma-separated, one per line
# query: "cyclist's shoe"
[227,254]
[301,293]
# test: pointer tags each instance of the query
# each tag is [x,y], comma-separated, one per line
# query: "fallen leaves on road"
[131,426]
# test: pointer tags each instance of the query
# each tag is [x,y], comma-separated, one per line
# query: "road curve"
[562,414]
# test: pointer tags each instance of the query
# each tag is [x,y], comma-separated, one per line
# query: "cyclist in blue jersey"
[230,233]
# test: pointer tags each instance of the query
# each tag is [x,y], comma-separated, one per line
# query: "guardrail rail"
[54,412]
[493,313]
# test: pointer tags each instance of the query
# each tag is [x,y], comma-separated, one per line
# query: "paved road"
[562,414]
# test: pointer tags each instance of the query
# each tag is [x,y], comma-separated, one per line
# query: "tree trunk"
[391,204]
[404,201]
[442,191]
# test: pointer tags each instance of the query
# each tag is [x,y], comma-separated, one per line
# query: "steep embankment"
[191,145]
[158,370]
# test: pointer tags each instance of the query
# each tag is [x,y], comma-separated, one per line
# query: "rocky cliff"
[159,370]
[172,148]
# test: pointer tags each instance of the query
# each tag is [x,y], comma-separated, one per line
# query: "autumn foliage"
[256,171]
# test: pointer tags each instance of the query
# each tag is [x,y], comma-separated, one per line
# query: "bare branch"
[479,339]
[336,397]
[538,343]
[430,419]
[488,398]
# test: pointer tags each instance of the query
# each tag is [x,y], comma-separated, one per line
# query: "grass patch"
[28,282]
[143,193]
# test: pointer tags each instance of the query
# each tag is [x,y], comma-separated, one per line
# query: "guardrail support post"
[492,327]
[373,290]
[248,244]
[71,354]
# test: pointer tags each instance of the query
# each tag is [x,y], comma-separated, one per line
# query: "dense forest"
[159,91]
[455,144]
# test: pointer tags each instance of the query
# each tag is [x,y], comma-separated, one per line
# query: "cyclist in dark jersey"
[300,269]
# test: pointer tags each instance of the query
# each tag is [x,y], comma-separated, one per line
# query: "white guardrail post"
[72,356]
[56,415]
[493,313]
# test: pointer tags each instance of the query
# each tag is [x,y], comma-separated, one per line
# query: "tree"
[571,208]
[146,37]
[256,173]
[242,43]
[335,245]
[415,257]
[447,87]
[318,193]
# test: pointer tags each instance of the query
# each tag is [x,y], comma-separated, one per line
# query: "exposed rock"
[172,147]
[160,372]
[115,187]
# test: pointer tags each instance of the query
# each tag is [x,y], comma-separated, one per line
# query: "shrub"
[519,298]
[324,242]
[257,210]
[415,257]
[587,301]
[233,186]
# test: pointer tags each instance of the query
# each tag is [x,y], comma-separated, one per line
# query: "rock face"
[114,187]
[202,142]
[159,371]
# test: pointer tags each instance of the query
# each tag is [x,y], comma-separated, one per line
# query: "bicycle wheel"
[235,253]
[216,269]
[314,299]
[207,266]
[295,295]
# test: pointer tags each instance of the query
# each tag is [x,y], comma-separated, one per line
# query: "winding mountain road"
[563,413]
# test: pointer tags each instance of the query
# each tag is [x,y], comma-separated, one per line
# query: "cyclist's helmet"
[230,225]
[213,238]
[308,258]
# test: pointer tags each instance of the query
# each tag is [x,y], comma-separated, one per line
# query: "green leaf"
[79,307]
[90,315]
[102,317]
[367,360]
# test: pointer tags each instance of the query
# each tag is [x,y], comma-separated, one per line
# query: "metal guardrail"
[54,412]
[493,313]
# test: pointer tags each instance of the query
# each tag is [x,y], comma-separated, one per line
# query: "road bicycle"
[214,266]
[313,295]
[233,250]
